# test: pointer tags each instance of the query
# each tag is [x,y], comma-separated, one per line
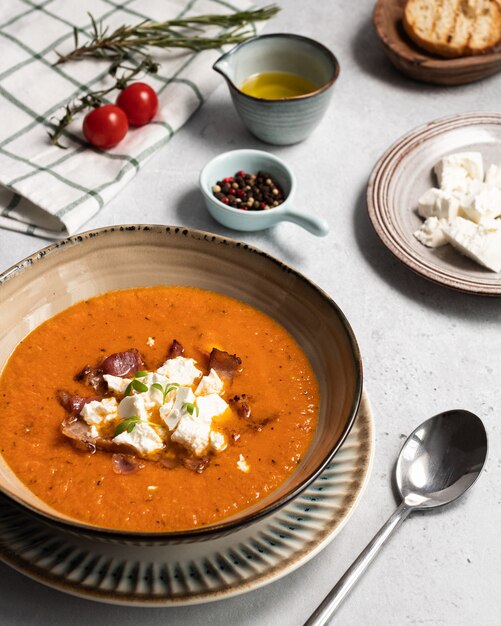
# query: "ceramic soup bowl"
[79,267]
[287,120]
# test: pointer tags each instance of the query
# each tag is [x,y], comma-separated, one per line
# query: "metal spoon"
[438,462]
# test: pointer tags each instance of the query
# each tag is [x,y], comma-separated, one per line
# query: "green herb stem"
[178,33]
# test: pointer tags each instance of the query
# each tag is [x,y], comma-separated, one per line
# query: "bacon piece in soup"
[123,363]
[176,349]
[73,403]
[126,464]
[225,364]
[80,435]
[92,376]
[241,405]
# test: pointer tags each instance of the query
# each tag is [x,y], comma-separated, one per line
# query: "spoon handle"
[338,593]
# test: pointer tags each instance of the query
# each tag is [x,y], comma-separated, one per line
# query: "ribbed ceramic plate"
[404,172]
[197,572]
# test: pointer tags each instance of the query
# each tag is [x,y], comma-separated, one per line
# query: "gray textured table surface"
[425,348]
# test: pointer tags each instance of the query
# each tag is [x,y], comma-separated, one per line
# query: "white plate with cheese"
[402,176]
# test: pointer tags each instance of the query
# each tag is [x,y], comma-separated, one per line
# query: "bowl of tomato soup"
[161,384]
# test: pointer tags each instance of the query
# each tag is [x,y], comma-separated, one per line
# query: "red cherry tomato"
[139,102]
[105,126]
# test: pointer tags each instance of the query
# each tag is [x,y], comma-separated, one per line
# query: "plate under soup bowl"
[79,268]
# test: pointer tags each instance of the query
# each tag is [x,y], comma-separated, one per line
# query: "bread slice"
[454,28]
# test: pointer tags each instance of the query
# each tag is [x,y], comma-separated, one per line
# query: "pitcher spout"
[223,67]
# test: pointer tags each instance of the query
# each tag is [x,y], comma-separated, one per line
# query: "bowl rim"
[249,215]
[320,46]
[213,530]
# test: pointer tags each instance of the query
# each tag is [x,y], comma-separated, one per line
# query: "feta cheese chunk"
[210,406]
[193,433]
[493,176]
[454,171]
[480,242]
[180,370]
[133,405]
[116,384]
[242,464]
[172,412]
[217,441]
[209,384]
[438,203]
[153,397]
[485,204]
[143,438]
[430,233]
[99,412]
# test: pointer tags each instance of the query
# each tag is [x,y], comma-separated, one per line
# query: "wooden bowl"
[421,65]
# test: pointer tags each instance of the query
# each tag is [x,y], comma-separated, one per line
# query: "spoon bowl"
[441,459]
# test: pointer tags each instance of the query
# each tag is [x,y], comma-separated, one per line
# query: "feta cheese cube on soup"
[99,412]
[154,396]
[180,370]
[210,406]
[171,413]
[116,384]
[209,384]
[142,437]
[217,441]
[133,406]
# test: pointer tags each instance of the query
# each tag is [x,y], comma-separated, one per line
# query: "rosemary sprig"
[129,41]
[95,99]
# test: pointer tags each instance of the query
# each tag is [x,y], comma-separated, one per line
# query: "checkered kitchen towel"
[50,192]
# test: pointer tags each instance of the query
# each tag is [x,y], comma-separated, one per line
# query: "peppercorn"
[245,191]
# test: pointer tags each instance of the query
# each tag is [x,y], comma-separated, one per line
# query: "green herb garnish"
[191,408]
[136,384]
[168,388]
[127,425]
[131,422]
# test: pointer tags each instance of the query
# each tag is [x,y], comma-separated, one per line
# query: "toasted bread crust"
[454,28]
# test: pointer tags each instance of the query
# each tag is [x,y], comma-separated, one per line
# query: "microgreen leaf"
[191,408]
[139,386]
[128,389]
[158,386]
[127,425]
[140,374]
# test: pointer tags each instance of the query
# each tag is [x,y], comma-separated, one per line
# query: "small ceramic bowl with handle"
[286,120]
[254,161]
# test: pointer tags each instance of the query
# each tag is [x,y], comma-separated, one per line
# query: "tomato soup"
[259,447]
